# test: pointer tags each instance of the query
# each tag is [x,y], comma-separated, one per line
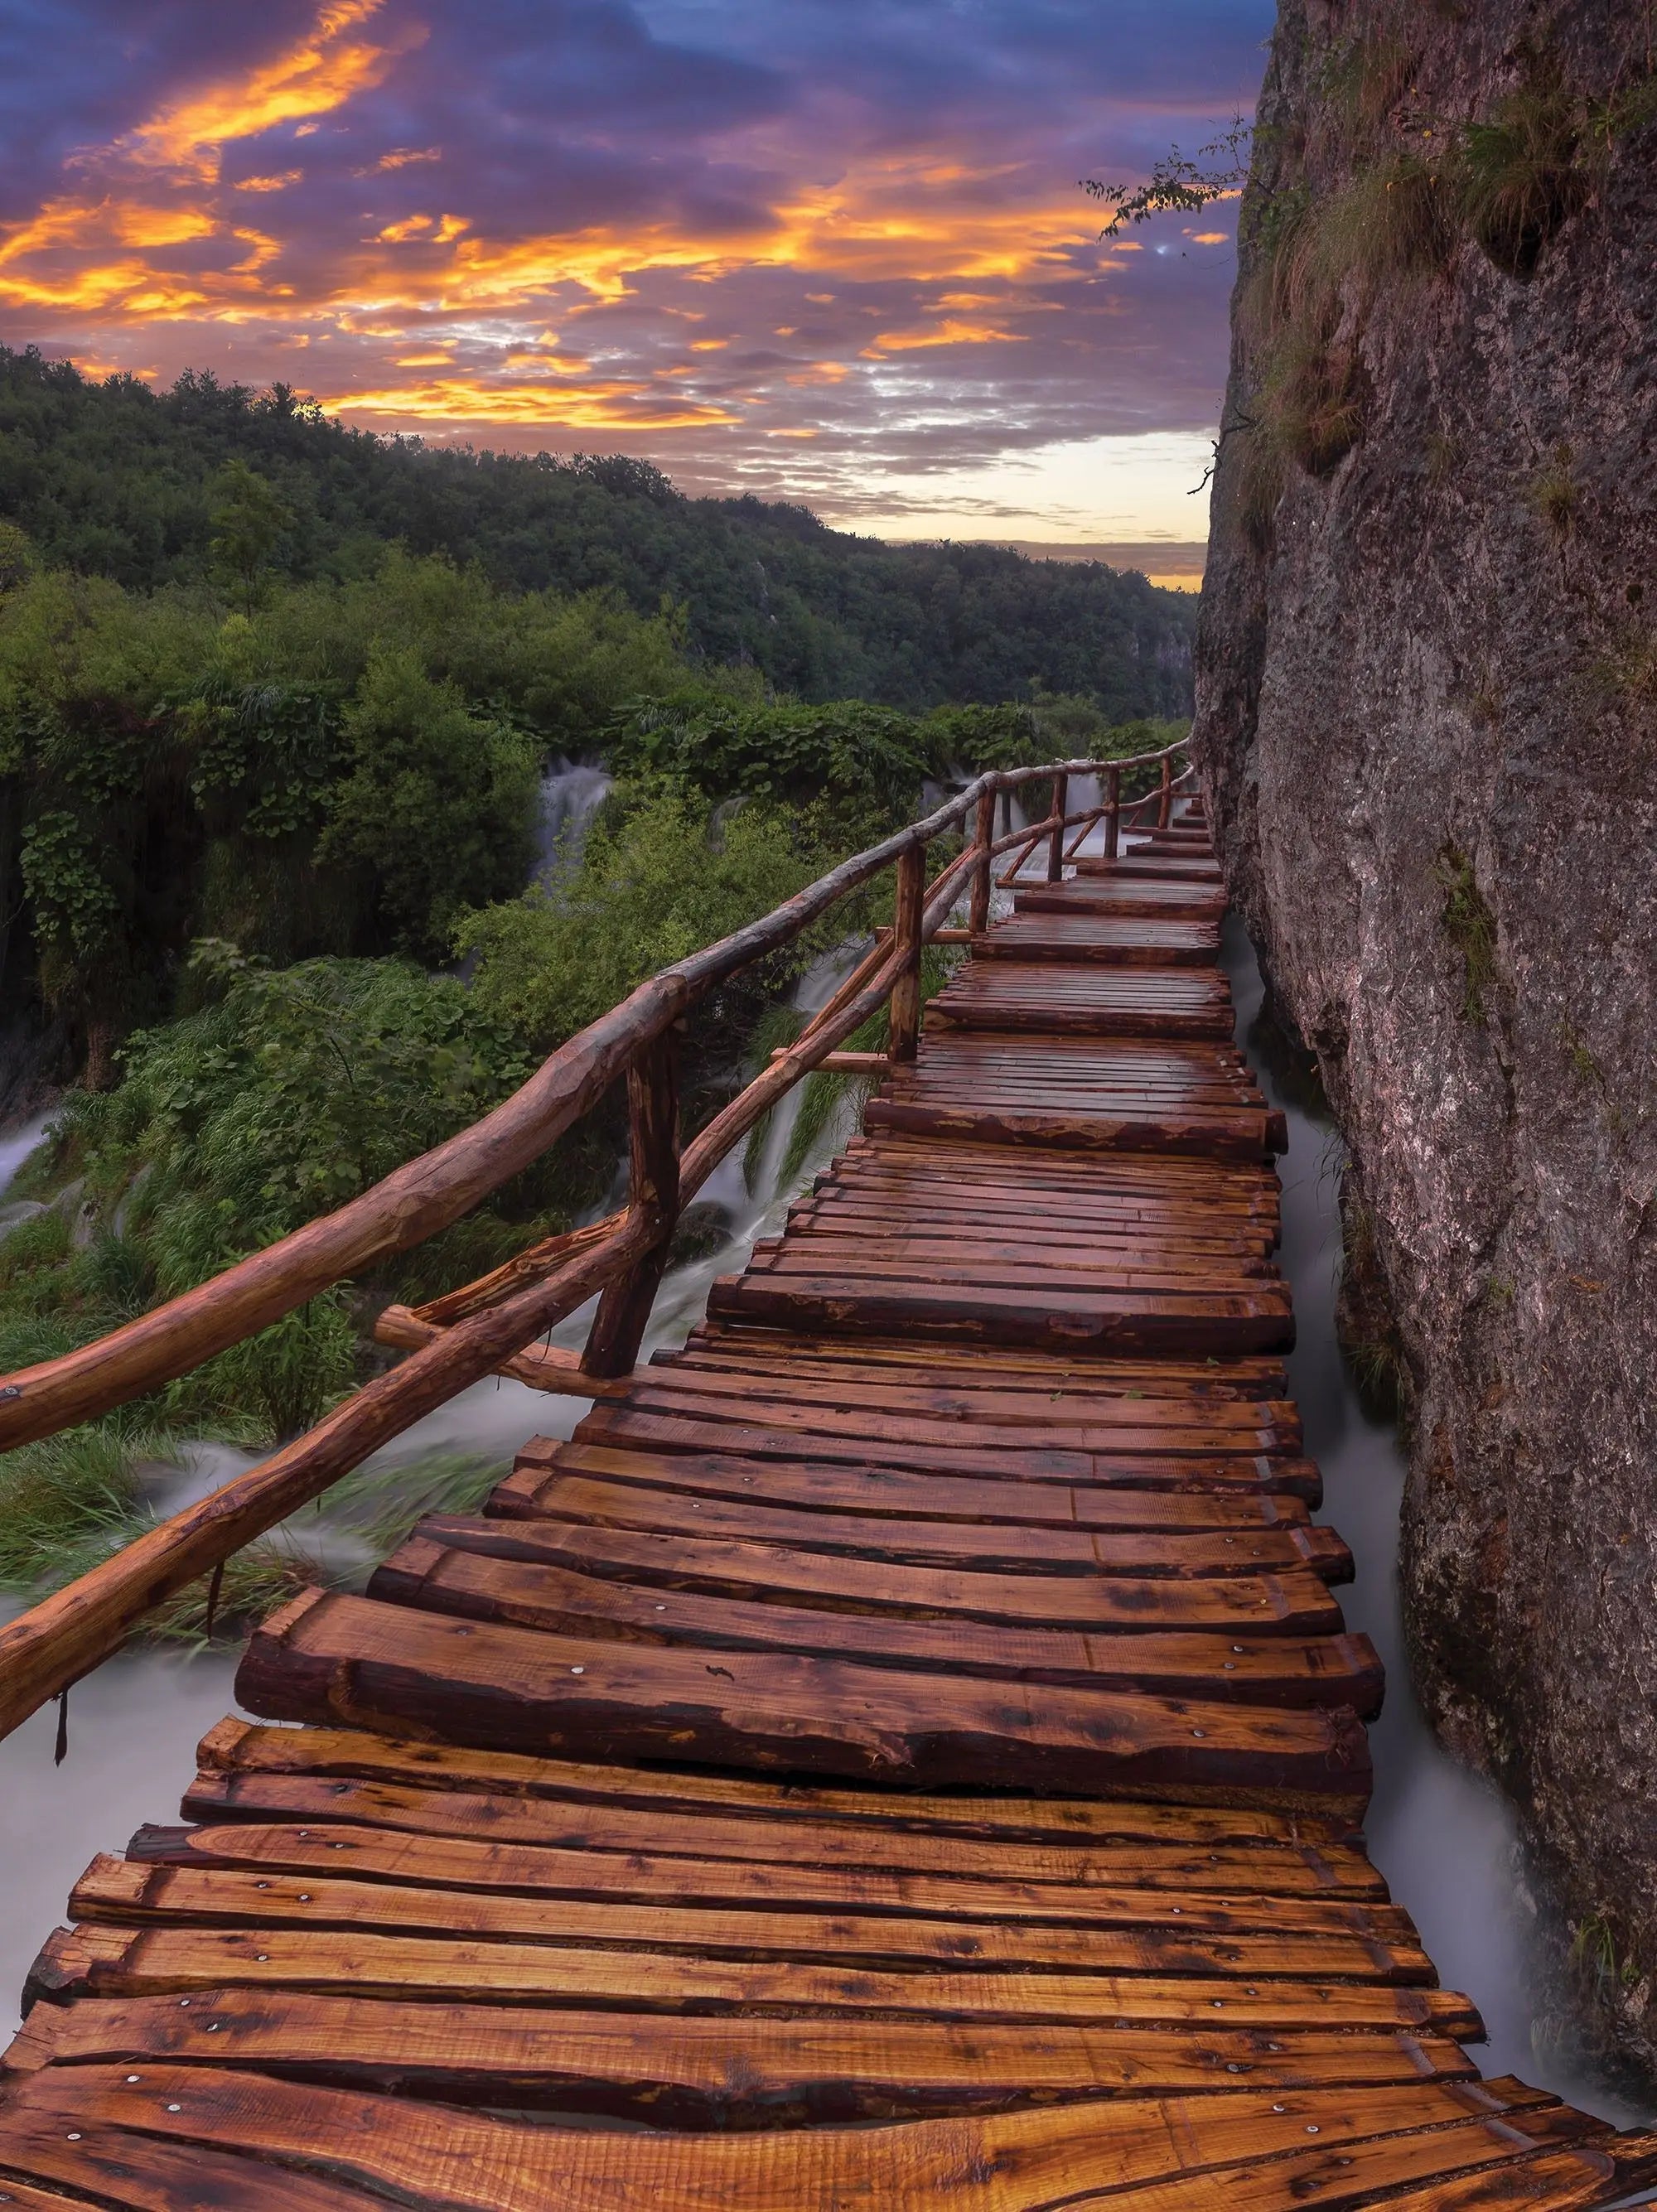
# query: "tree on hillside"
[249,518]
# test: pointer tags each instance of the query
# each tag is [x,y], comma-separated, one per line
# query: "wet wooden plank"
[684,2071]
[327,1658]
[1148,1886]
[1214,1323]
[771,1519]
[1252,2149]
[1333,1670]
[539,1484]
[242,1754]
[1122,944]
[646,1908]
[1241,1133]
[1217,1593]
[1137,1459]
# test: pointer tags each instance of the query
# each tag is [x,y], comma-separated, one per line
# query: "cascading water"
[16,1146]
[571,794]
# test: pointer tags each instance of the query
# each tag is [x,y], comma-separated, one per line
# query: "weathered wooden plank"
[1238,1133]
[1142,1461]
[1217,1324]
[1122,1931]
[677,1865]
[1154,1885]
[1066,1416]
[1251,2150]
[99,1960]
[334,1658]
[770,1520]
[814,1816]
[684,2071]
[1331,1671]
[537,1484]
[1286,1598]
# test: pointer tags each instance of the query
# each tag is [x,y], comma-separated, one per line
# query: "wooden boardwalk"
[903,1751]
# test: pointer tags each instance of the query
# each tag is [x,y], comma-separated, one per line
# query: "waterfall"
[571,794]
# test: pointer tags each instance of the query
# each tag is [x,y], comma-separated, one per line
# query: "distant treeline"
[117,480]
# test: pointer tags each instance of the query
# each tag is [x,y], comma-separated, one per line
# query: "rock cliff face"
[1427,718]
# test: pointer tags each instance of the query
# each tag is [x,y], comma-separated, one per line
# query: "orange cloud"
[948,332]
[278,183]
[403,157]
[313,78]
[591,407]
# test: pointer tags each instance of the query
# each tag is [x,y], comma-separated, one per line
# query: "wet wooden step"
[701,2073]
[1214,1323]
[326,2149]
[1331,1670]
[326,1658]
[460,1789]
[1124,943]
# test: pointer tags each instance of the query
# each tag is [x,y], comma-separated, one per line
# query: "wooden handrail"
[490,1326]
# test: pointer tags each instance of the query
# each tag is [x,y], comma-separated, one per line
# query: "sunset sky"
[829,250]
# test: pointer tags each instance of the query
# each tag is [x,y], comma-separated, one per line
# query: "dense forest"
[279,704]
[117,480]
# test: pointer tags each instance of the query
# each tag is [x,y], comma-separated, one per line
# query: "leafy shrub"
[663,873]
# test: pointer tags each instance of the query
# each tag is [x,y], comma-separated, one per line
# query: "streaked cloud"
[832,250]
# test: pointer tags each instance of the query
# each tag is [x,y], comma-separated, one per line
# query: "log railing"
[489,1327]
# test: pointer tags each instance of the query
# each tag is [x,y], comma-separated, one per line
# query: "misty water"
[1445,1841]
[134,1725]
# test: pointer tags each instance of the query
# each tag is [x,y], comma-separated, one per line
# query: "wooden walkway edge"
[906,1750]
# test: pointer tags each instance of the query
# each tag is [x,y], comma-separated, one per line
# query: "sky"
[832,251]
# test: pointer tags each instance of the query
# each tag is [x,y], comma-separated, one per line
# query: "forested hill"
[116,479]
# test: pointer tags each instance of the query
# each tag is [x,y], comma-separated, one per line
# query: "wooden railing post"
[652,1099]
[1165,803]
[905,1019]
[1056,841]
[1113,816]
[978,920]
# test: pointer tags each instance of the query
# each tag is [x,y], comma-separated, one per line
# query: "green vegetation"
[146,488]
[663,874]
[1471,928]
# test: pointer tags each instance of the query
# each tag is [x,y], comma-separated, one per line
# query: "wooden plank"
[1332,1671]
[1253,2154]
[1000,1367]
[1286,1599]
[680,1864]
[686,2072]
[772,1519]
[1095,1421]
[537,1486]
[1239,1134]
[672,1868]
[236,1752]
[331,1658]
[1122,1931]
[1261,1320]
[1168,1462]
[106,1961]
